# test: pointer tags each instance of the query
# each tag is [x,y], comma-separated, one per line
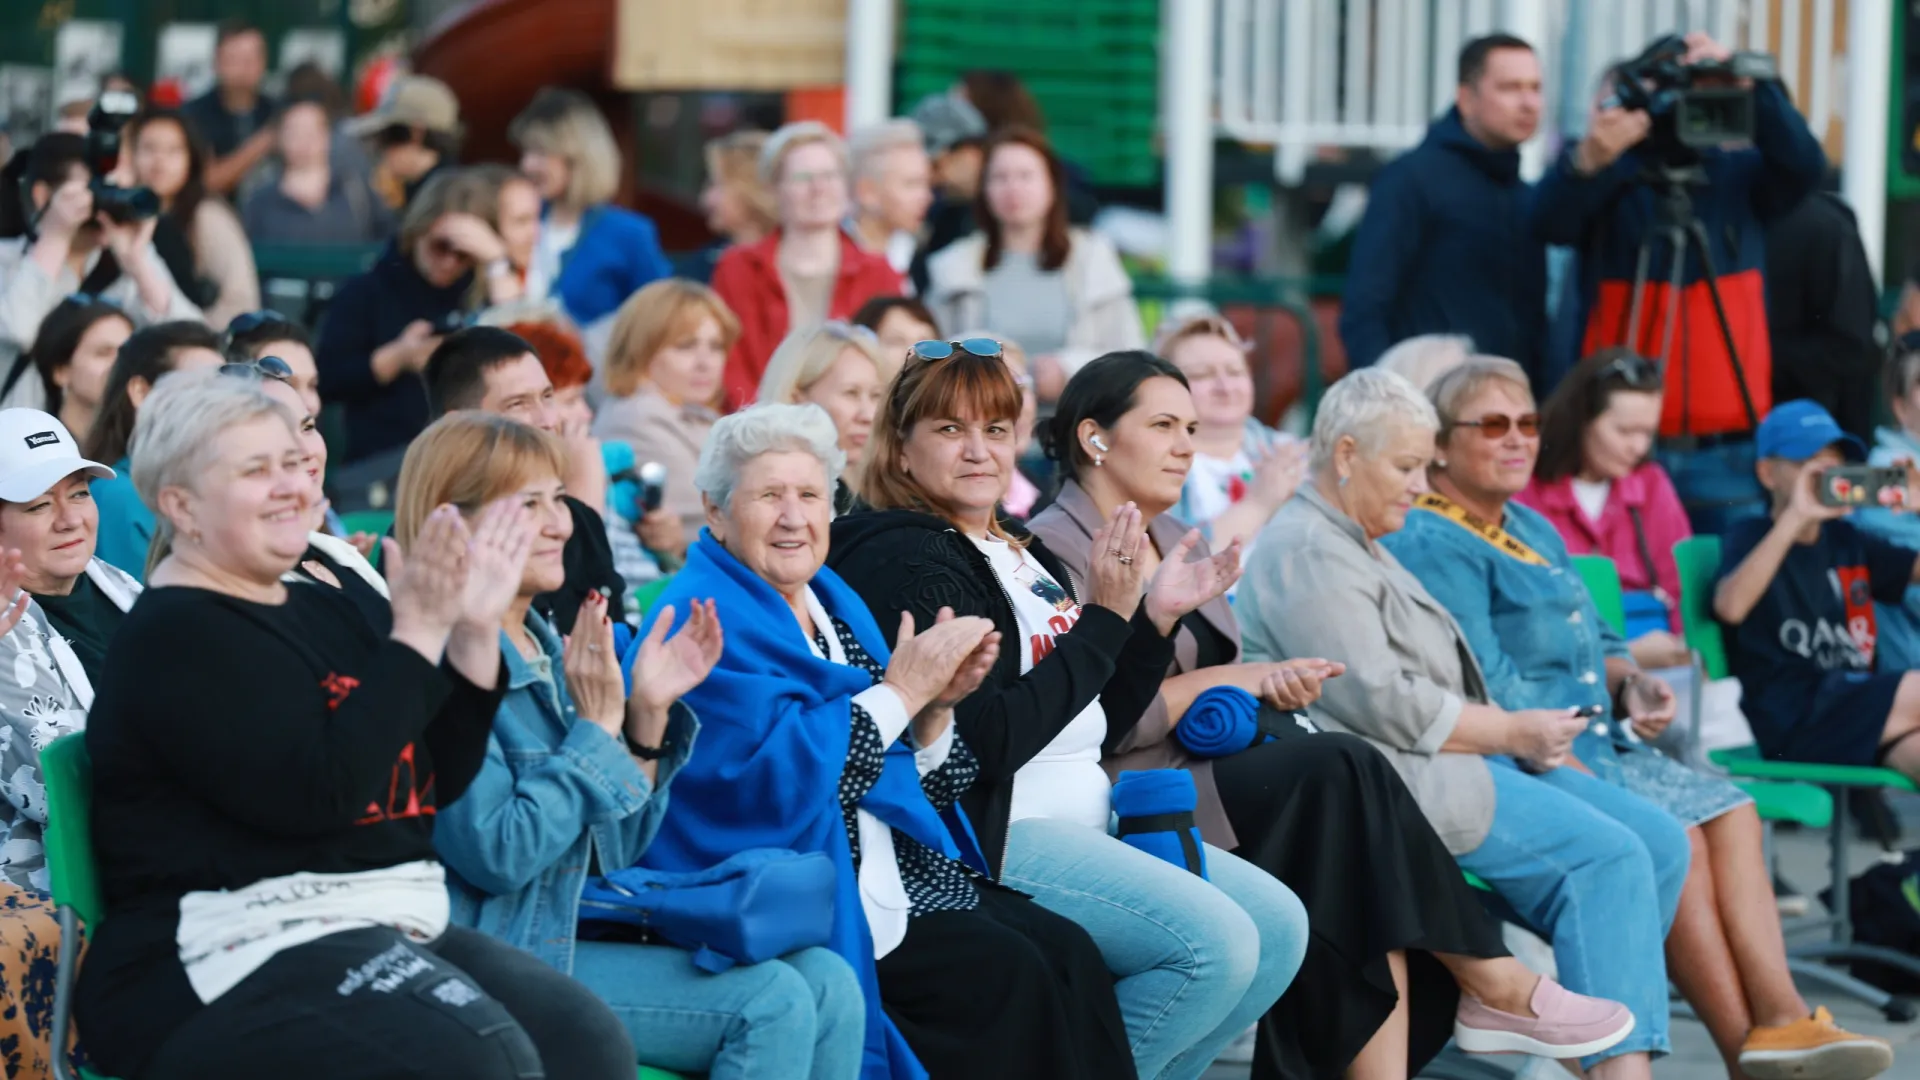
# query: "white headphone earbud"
[1099,444]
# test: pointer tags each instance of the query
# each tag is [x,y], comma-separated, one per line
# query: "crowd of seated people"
[539,562]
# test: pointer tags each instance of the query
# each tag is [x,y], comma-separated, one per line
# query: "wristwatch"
[643,752]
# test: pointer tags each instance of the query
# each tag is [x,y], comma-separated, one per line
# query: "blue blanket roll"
[1155,807]
[1221,721]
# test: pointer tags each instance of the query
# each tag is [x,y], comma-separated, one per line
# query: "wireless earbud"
[1099,443]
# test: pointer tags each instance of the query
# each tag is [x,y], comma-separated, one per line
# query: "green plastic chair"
[68,840]
[1602,579]
[645,595]
[1698,559]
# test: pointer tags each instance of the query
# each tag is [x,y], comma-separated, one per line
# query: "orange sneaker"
[1813,1049]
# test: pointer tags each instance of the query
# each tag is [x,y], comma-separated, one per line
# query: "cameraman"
[59,245]
[1595,199]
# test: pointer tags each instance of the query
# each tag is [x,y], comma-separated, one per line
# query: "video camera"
[1692,106]
[109,117]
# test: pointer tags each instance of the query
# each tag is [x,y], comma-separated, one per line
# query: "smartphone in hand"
[1863,486]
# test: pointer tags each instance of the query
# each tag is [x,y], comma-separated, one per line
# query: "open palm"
[666,668]
[1181,585]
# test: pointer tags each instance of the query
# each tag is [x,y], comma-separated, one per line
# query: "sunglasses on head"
[87,299]
[248,322]
[1496,427]
[267,367]
[1634,370]
[935,351]
[847,331]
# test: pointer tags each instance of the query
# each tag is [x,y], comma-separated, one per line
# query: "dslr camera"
[108,119]
[1692,106]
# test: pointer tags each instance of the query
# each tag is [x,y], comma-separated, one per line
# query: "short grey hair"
[1367,404]
[790,137]
[868,145]
[1423,359]
[765,429]
[1453,389]
[175,435]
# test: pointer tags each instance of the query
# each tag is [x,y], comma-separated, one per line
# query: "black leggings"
[372,1005]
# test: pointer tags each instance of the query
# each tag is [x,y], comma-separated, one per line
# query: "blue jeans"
[1597,871]
[1716,483]
[748,1023]
[1188,971]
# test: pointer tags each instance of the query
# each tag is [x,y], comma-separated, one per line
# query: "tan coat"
[1067,527]
[1315,586]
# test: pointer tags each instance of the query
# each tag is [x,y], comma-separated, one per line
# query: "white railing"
[1306,76]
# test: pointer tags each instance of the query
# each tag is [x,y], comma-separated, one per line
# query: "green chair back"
[68,775]
[645,595]
[1602,579]
[1698,558]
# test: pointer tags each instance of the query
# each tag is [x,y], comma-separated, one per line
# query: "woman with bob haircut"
[807,270]
[665,362]
[590,253]
[839,367]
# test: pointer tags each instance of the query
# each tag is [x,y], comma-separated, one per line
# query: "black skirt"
[1006,991]
[1328,815]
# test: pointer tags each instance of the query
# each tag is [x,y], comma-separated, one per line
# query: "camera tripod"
[1676,223]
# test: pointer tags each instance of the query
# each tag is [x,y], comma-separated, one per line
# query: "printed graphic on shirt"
[1050,591]
[1831,647]
[408,794]
[1855,586]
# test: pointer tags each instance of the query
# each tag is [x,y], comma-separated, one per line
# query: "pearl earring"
[1099,460]
[1343,480]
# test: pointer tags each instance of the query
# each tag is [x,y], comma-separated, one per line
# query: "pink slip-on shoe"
[1565,1025]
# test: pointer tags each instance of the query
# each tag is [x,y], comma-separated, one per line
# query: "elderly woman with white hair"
[839,367]
[267,771]
[816,737]
[1596,869]
[1420,360]
[590,253]
[804,272]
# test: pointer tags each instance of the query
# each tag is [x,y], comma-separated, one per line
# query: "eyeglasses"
[1496,427]
[1636,371]
[267,367]
[826,177]
[934,351]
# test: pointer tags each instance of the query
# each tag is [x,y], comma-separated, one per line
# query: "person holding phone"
[1797,593]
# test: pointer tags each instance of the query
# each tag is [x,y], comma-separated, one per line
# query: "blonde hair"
[651,318]
[733,160]
[469,458]
[455,191]
[1453,389]
[565,124]
[791,137]
[1206,323]
[176,437]
[806,355]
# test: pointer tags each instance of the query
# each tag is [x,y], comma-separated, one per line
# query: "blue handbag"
[759,904]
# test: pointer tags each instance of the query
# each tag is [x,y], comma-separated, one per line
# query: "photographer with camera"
[69,233]
[1445,246]
[1689,151]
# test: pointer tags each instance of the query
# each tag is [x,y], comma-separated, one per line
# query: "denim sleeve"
[1462,580]
[625,839]
[512,823]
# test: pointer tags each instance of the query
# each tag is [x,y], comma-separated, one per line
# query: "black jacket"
[588,559]
[1823,310]
[903,560]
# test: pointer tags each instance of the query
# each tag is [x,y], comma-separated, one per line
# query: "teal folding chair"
[68,840]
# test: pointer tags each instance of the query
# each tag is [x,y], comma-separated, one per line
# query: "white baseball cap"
[36,452]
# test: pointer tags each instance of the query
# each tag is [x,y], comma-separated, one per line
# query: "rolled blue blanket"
[1155,807]
[1221,721]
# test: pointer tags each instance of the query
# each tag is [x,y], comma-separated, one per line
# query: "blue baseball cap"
[1797,430]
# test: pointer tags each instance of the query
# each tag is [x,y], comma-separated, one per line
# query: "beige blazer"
[670,434]
[1067,526]
[1316,586]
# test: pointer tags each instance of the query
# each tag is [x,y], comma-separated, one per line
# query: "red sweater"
[747,277]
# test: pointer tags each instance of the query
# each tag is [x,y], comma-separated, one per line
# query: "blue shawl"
[774,723]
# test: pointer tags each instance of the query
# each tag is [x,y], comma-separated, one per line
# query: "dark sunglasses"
[267,367]
[934,351]
[249,322]
[1496,427]
[87,299]
[1637,372]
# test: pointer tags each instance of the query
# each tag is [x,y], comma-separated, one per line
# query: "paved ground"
[1803,860]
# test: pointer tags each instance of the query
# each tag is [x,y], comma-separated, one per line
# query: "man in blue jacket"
[1445,246]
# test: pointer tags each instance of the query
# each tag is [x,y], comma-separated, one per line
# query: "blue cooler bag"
[1155,807]
[759,904]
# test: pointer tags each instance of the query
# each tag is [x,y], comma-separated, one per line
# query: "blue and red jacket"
[1604,216]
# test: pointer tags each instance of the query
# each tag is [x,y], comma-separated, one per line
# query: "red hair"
[559,351]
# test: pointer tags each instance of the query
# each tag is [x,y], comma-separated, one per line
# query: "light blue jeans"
[1597,871]
[1195,963]
[752,1022]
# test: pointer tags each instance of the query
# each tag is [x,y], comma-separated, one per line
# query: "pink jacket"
[1645,493]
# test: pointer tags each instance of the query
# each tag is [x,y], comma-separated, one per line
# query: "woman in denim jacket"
[575,783]
[1504,573]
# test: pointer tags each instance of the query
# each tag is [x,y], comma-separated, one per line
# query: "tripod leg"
[1636,299]
[1676,279]
[1699,234]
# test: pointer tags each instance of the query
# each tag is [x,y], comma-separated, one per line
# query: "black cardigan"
[903,560]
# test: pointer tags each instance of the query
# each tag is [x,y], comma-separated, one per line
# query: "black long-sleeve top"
[901,560]
[235,741]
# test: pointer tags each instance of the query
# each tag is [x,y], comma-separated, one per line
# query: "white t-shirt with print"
[1064,781]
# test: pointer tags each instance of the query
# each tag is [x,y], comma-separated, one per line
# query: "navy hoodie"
[1445,248]
[367,312]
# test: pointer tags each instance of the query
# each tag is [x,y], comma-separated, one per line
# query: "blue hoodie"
[1445,248]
